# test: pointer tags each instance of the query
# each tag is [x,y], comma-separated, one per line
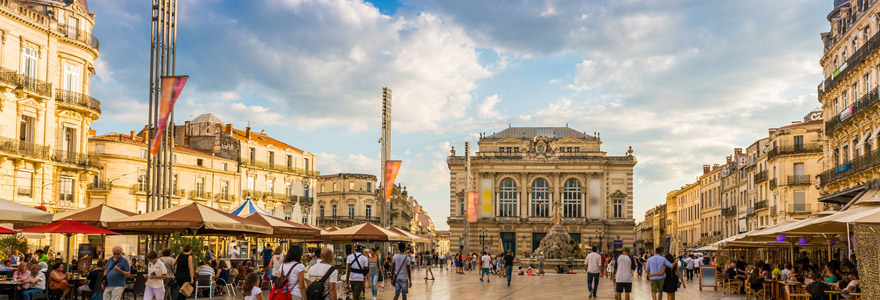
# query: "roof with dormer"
[531,132]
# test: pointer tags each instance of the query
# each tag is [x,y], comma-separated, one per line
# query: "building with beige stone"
[348,199]
[659,227]
[671,242]
[848,95]
[687,202]
[794,159]
[536,174]
[710,202]
[47,57]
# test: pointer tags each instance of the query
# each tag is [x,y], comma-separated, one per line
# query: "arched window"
[540,204]
[572,199]
[507,198]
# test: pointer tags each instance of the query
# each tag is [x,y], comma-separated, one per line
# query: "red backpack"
[281,291]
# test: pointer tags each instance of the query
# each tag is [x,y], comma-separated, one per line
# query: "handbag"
[186,289]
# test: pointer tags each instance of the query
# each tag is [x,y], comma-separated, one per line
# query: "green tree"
[198,244]
[12,243]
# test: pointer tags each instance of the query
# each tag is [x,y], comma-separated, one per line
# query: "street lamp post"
[484,234]
[600,235]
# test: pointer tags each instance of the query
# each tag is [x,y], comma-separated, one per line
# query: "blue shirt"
[655,264]
[114,278]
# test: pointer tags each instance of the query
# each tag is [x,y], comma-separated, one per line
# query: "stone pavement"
[449,285]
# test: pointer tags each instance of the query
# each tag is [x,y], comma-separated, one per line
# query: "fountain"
[557,244]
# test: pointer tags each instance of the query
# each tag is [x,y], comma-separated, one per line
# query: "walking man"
[402,273]
[116,270]
[355,263]
[487,265]
[593,266]
[689,265]
[509,259]
[623,275]
[656,268]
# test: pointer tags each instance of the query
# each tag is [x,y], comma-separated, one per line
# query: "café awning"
[97,215]
[21,215]
[191,218]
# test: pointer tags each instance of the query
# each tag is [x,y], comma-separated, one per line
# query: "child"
[250,289]
[520,272]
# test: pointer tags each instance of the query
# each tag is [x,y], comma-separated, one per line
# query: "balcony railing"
[17,147]
[77,99]
[751,212]
[139,188]
[852,62]
[24,191]
[850,168]
[26,82]
[761,205]
[773,183]
[199,195]
[224,197]
[276,196]
[277,167]
[79,35]
[728,211]
[799,179]
[761,176]
[252,194]
[793,149]
[349,218]
[101,185]
[307,199]
[795,209]
[858,107]
[79,159]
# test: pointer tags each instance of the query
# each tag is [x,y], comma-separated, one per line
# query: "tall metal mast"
[163,39]
[386,152]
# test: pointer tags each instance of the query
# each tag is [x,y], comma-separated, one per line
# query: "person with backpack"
[290,284]
[357,267]
[401,262]
[323,277]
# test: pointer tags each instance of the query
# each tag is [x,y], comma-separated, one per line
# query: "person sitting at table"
[92,280]
[731,272]
[57,280]
[833,275]
[21,274]
[7,266]
[206,269]
[36,281]
[756,279]
[852,287]
[796,275]
[786,272]
[817,288]
[222,277]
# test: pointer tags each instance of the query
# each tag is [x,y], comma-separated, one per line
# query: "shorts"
[657,285]
[485,271]
[401,286]
[623,287]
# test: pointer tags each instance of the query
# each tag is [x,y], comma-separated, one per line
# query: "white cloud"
[352,163]
[486,109]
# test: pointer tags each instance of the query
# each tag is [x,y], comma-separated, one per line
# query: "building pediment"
[617,194]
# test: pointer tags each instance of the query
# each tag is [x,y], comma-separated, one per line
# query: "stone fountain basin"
[550,264]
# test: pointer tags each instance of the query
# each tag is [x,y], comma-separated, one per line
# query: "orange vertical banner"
[472,206]
[391,169]
[171,87]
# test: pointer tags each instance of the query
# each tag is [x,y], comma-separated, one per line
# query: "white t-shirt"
[293,278]
[277,261]
[623,263]
[401,262]
[854,284]
[593,262]
[487,261]
[255,291]
[156,269]
[317,272]
[233,253]
[442,256]
[361,264]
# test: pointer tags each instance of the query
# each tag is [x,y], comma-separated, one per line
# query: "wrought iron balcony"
[850,168]
[761,176]
[70,157]
[793,149]
[77,99]
[277,167]
[16,147]
[751,212]
[307,199]
[799,179]
[358,219]
[78,35]
[760,205]
[26,82]
[773,183]
[101,185]
[728,211]
[861,105]
[871,46]
[224,197]
[199,195]
[797,209]
[24,191]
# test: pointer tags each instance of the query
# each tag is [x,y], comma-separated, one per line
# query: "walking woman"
[156,273]
[670,285]
[295,272]
[183,266]
[275,263]
[375,264]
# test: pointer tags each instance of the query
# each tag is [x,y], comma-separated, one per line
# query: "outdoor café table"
[793,285]
[858,295]
[777,286]
[12,284]
[74,283]
[833,294]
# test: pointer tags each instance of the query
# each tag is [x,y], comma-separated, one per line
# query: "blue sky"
[682,82]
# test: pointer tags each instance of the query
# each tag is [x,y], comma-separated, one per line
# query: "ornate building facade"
[47,54]
[347,199]
[529,170]
[710,203]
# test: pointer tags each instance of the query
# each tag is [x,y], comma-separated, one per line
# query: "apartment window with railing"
[288,189]
[855,89]
[72,78]
[69,143]
[369,211]
[200,187]
[65,190]
[174,183]
[224,189]
[270,185]
[306,190]
[844,98]
[142,182]
[73,27]
[866,82]
[24,182]
[30,56]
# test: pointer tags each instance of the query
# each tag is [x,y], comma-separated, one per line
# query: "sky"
[682,82]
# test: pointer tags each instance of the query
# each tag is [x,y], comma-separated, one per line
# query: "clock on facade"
[540,149]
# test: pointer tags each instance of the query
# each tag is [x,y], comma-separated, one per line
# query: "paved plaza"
[449,285]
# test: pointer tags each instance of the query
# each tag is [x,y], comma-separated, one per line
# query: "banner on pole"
[472,208]
[171,88]
[486,202]
[391,169]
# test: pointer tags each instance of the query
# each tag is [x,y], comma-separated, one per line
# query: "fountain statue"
[557,244]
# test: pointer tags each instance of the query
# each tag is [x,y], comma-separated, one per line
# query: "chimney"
[263,131]
[728,159]
[247,132]
[229,127]
[132,134]
[706,169]
[738,151]
[715,166]
[92,132]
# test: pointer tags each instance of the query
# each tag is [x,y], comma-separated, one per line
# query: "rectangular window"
[289,161]
[65,191]
[288,189]
[270,185]
[844,98]
[461,206]
[174,158]
[321,211]
[72,78]
[351,211]
[73,28]
[799,142]
[224,167]
[200,187]
[29,62]
[69,143]
[333,211]
[577,149]
[252,154]
[250,184]
[305,217]
[271,160]
[845,153]
[501,149]
[351,186]
[173,183]
[516,149]
[143,153]
[224,189]
[369,187]
[799,201]
[855,89]
[306,164]
[866,82]
[200,162]
[26,129]
[369,211]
